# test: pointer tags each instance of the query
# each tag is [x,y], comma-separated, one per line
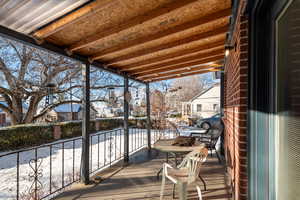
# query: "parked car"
[206,123]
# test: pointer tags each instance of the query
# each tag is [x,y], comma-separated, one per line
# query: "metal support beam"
[85,178]
[234,16]
[222,91]
[222,99]
[126,116]
[148,116]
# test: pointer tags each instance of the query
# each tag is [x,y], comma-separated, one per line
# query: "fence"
[43,171]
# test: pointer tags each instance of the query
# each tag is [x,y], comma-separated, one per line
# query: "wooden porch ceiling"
[150,40]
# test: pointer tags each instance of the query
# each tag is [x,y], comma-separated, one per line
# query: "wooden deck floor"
[138,181]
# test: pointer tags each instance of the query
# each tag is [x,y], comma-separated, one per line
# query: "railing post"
[85,177]
[148,116]
[126,116]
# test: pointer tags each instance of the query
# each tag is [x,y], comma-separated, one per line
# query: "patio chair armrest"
[165,168]
[167,165]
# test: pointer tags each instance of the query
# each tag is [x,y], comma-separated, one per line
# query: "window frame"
[262,97]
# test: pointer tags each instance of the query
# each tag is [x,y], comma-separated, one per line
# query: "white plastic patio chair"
[186,173]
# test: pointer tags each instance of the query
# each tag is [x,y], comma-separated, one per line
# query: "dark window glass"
[199,107]
[288,103]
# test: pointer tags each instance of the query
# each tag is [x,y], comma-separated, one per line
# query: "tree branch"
[5,91]
[7,74]
[25,60]
[6,109]
[69,76]
[92,88]
[15,49]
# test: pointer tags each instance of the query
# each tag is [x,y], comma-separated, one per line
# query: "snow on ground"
[63,166]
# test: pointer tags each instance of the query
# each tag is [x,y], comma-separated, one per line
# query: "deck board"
[138,181]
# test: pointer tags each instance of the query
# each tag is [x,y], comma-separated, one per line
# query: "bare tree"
[159,106]
[172,94]
[26,73]
[182,90]
[188,87]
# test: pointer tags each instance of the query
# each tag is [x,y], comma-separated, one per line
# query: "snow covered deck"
[138,181]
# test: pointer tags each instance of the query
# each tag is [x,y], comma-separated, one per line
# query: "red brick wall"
[235,107]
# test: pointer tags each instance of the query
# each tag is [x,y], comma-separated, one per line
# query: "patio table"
[165,145]
[193,131]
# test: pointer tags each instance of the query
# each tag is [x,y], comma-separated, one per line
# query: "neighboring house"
[138,96]
[64,112]
[138,102]
[110,111]
[205,104]
[105,109]
[5,119]
[3,115]
[50,116]
[102,109]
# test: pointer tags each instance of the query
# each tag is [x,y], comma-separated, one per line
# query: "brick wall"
[235,107]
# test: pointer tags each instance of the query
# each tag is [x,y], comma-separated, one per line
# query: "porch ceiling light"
[228,48]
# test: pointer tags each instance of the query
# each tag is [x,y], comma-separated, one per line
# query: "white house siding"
[209,101]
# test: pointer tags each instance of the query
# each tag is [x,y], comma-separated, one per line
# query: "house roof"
[69,107]
[25,106]
[147,40]
[204,91]
[3,103]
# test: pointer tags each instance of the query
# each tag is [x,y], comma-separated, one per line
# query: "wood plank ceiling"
[150,40]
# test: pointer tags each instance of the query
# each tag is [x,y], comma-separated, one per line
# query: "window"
[215,107]
[188,109]
[199,107]
[288,112]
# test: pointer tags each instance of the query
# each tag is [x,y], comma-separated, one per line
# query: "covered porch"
[253,43]
[138,180]
[143,41]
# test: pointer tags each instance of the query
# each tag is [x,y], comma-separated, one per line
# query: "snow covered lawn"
[59,162]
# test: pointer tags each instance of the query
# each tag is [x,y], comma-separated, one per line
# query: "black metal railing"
[39,172]
[43,171]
